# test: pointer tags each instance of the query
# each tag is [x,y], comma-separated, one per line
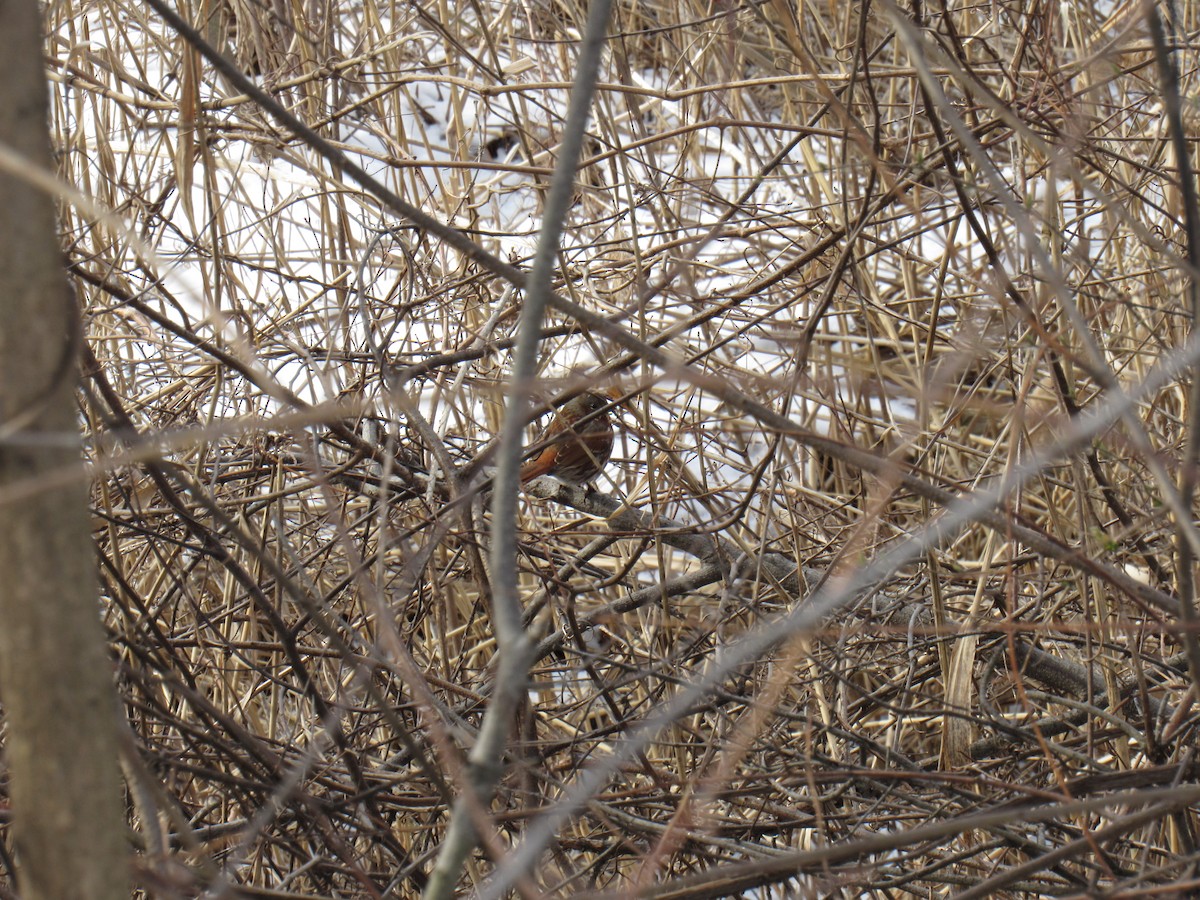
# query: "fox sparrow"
[577,442]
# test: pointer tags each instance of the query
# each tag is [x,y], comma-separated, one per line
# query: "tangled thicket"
[936,240]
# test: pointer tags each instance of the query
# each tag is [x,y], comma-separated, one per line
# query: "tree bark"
[56,682]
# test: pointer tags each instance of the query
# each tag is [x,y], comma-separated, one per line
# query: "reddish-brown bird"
[576,444]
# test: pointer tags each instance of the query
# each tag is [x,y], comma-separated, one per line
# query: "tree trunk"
[56,682]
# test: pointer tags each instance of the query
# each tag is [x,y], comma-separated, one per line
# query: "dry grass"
[301,619]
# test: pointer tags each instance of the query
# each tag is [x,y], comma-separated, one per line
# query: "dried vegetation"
[936,246]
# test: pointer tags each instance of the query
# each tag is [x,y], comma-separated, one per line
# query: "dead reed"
[934,246]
